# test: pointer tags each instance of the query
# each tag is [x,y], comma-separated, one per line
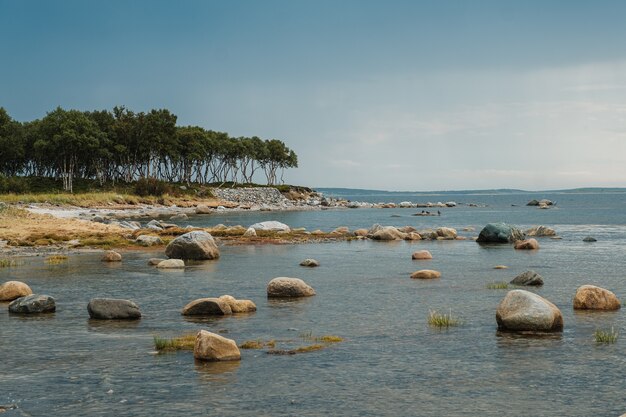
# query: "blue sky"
[398,95]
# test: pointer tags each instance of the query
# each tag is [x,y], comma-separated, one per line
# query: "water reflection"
[222,372]
[111,326]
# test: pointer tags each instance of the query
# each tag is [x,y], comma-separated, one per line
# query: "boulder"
[412,236]
[213,347]
[426,274]
[171,264]
[361,232]
[421,255]
[499,233]
[447,233]
[407,229]
[203,209]
[288,287]
[113,309]
[238,306]
[155,261]
[147,240]
[590,297]
[271,226]
[11,290]
[193,245]
[310,262]
[533,202]
[523,311]
[154,224]
[530,278]
[250,232]
[590,239]
[111,256]
[387,233]
[530,244]
[540,231]
[33,304]
[343,230]
[207,307]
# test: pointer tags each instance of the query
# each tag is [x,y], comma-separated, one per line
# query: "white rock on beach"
[271,225]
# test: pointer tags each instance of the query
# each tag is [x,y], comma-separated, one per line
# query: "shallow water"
[391,363]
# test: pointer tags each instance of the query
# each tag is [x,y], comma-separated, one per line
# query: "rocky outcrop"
[238,306]
[421,255]
[523,311]
[540,231]
[171,264]
[499,233]
[426,274]
[310,263]
[271,225]
[193,245]
[590,297]
[113,309]
[288,287]
[33,304]
[12,290]
[111,256]
[530,278]
[207,307]
[529,244]
[446,233]
[386,233]
[213,347]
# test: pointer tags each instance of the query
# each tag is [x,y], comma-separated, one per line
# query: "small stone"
[111,256]
[289,287]
[528,244]
[530,278]
[426,274]
[421,255]
[590,239]
[171,264]
[310,262]
[213,347]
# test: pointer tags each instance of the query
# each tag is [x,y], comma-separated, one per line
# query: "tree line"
[121,145]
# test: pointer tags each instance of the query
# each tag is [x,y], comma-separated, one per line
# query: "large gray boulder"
[499,233]
[530,278]
[213,347]
[289,287]
[12,290]
[193,245]
[33,304]
[523,311]
[113,309]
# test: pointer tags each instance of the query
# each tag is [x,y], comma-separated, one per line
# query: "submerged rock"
[524,311]
[530,278]
[171,264]
[529,244]
[590,297]
[213,347]
[590,239]
[33,304]
[289,287]
[193,245]
[12,290]
[421,255]
[310,262]
[203,209]
[113,309]
[111,256]
[499,233]
[426,274]
[207,307]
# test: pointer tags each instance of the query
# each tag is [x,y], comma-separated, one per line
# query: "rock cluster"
[222,306]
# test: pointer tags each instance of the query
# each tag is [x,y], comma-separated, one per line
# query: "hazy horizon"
[370,95]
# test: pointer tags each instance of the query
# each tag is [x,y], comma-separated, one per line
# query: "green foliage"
[185,342]
[442,320]
[123,146]
[151,186]
[9,263]
[605,336]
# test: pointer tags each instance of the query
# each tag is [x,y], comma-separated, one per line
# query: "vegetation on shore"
[123,146]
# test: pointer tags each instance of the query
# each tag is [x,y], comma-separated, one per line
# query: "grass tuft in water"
[8,263]
[185,342]
[56,259]
[329,339]
[257,344]
[442,320]
[605,336]
[301,349]
[497,285]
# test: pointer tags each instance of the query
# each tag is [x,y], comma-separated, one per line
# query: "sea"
[390,362]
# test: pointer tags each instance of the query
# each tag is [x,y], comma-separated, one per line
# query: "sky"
[393,95]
